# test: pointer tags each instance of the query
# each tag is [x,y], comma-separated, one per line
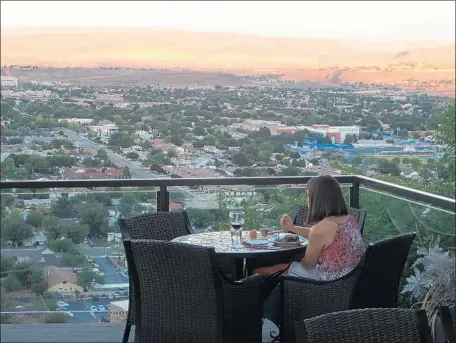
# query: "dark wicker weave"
[163,226]
[306,298]
[448,317]
[376,325]
[179,293]
[378,284]
[299,216]
[242,310]
[158,226]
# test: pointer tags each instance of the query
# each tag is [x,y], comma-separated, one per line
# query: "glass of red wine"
[237,223]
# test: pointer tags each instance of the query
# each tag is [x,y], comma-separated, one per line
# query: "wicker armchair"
[299,215]
[448,317]
[378,284]
[158,226]
[303,298]
[376,325]
[183,298]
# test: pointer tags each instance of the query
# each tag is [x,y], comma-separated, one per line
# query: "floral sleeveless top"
[343,254]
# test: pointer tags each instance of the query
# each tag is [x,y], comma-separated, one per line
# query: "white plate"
[301,240]
[257,241]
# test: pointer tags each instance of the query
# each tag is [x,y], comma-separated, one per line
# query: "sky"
[364,20]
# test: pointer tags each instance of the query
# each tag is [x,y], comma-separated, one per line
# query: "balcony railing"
[163,195]
[391,209]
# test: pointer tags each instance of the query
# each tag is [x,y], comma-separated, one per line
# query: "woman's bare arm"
[314,248]
[300,230]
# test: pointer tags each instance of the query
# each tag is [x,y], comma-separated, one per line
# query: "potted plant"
[432,284]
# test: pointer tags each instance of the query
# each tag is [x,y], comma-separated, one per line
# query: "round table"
[221,241]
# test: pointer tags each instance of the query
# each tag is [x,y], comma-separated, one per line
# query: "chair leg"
[126,333]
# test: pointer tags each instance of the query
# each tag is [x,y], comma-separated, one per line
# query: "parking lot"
[84,305]
[112,275]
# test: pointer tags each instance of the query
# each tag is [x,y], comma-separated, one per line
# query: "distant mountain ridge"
[296,58]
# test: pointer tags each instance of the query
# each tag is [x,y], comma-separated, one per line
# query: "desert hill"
[297,58]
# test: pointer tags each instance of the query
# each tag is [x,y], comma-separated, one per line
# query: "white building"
[336,133]
[9,81]
[104,129]
[144,134]
[80,121]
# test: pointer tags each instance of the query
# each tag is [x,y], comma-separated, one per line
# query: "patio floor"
[100,332]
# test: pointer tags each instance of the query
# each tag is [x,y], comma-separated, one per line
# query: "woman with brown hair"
[335,245]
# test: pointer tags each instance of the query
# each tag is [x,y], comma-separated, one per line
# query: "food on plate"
[264,233]
[287,238]
[253,234]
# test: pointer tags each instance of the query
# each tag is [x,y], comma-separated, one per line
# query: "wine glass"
[237,222]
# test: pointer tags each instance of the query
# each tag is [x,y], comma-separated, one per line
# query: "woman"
[335,245]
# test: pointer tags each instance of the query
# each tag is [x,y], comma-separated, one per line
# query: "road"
[96,251]
[136,170]
[112,275]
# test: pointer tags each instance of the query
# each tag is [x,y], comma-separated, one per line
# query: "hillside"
[296,58]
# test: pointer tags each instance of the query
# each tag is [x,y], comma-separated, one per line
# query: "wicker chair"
[183,298]
[303,298]
[378,284]
[376,325]
[299,216]
[448,317]
[158,226]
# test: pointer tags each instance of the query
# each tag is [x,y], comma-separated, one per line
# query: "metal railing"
[354,181]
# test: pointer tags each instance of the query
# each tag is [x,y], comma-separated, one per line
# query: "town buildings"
[9,81]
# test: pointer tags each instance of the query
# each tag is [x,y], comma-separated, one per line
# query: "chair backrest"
[159,226]
[307,298]
[378,283]
[299,216]
[376,325]
[178,288]
[448,318]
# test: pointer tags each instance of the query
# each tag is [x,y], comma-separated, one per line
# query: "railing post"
[354,194]
[163,200]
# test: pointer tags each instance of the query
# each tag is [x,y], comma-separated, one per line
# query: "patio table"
[221,241]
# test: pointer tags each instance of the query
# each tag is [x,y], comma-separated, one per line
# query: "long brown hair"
[325,199]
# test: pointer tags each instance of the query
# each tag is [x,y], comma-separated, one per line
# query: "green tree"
[35,218]
[121,140]
[62,245]
[63,208]
[38,282]
[102,154]
[240,159]
[199,131]
[445,135]
[95,215]
[87,277]
[14,228]
[7,264]
[53,228]
[76,232]
[387,167]
[23,272]
[11,283]
[72,260]
[132,155]
[176,140]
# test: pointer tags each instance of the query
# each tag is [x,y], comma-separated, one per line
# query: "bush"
[55,318]
[47,295]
